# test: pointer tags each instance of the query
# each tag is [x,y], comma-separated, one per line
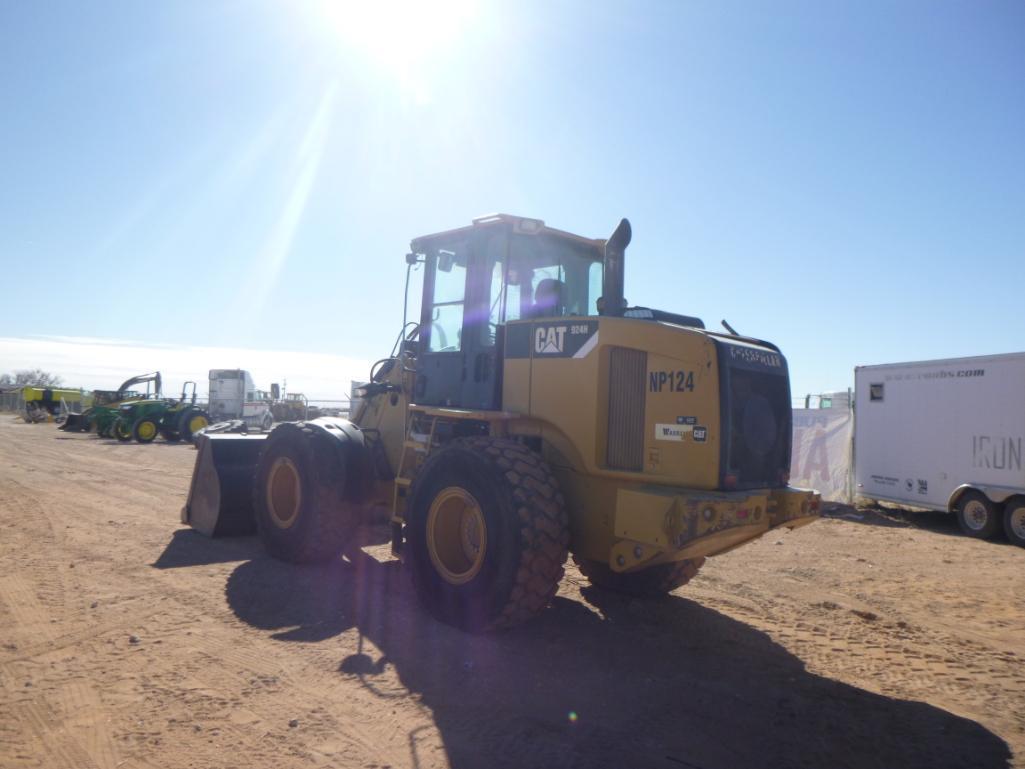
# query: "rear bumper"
[662,524]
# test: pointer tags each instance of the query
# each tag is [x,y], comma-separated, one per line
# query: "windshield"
[543,276]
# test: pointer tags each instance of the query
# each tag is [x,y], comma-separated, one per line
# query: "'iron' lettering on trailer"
[996,452]
[671,381]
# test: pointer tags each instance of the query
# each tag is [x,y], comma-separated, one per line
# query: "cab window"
[446,318]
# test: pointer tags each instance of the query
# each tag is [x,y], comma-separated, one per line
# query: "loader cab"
[479,278]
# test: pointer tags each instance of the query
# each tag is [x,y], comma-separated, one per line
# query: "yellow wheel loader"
[530,413]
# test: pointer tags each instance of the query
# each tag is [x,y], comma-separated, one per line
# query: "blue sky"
[845,179]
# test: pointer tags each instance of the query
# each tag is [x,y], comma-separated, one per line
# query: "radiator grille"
[627,372]
[758,428]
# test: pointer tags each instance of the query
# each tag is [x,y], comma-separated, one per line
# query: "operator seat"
[547,299]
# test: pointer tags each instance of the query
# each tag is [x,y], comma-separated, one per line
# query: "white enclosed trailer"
[233,395]
[945,435]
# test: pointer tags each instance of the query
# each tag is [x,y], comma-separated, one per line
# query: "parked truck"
[946,435]
[233,395]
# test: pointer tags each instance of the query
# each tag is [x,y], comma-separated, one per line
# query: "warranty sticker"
[665,432]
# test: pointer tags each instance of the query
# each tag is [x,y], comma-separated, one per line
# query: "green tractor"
[100,417]
[175,420]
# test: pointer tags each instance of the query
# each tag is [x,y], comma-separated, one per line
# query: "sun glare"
[404,39]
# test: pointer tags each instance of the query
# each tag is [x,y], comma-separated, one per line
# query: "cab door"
[458,365]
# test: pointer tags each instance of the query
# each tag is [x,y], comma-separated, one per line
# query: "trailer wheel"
[487,533]
[191,421]
[1014,520]
[648,583]
[977,516]
[121,430]
[302,513]
[267,422]
[145,430]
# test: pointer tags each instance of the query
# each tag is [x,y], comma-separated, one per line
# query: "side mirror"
[275,391]
[411,259]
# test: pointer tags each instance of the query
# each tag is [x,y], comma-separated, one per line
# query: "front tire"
[977,515]
[121,430]
[302,513]
[1014,520]
[487,534]
[652,582]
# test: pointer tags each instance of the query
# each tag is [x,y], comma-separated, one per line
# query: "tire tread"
[543,525]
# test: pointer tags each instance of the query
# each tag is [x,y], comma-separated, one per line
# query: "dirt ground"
[126,640]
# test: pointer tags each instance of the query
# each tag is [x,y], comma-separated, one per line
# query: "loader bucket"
[220,502]
[74,422]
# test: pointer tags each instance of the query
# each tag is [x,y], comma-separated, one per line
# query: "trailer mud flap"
[220,502]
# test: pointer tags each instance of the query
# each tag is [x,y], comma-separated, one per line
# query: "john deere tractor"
[530,413]
[173,419]
[100,417]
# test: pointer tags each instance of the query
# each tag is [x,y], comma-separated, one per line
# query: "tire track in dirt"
[86,720]
[24,614]
[49,739]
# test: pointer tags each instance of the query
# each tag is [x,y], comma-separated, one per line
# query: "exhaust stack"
[613,301]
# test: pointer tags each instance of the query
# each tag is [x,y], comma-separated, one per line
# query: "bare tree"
[36,377]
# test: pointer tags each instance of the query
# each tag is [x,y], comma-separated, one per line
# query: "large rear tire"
[1014,520]
[191,421]
[977,515]
[487,534]
[648,583]
[145,430]
[303,513]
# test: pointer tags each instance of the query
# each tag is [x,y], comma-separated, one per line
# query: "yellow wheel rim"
[197,423]
[147,430]
[457,536]
[284,492]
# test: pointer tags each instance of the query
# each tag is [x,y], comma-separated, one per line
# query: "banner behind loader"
[821,453]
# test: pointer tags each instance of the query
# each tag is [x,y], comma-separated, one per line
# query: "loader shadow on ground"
[606,682]
[190,548]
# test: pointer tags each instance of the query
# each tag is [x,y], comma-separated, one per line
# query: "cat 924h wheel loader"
[530,413]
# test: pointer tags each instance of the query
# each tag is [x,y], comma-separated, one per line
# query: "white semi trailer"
[946,435]
[233,395]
